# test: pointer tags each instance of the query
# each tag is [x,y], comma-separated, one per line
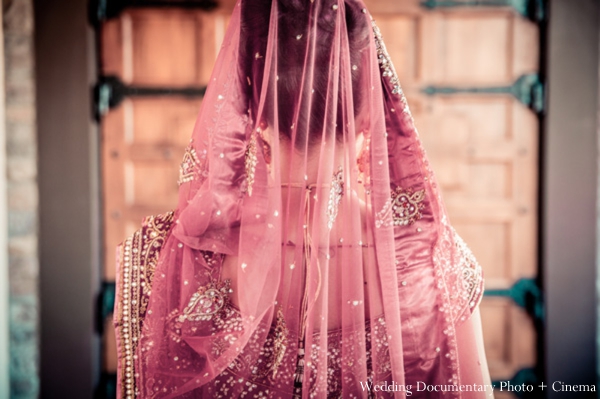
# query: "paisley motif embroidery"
[335,197]
[208,301]
[404,206]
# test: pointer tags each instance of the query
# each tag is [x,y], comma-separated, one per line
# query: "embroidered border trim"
[472,272]
[386,65]
[138,258]
[385,61]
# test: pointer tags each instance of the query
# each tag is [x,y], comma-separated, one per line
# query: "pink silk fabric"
[310,254]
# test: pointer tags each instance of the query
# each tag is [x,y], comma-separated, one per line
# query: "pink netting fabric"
[310,254]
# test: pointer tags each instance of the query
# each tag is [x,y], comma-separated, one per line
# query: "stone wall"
[22,197]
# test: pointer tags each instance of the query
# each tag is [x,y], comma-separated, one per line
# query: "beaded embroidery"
[404,206]
[386,65]
[335,197]
[472,272]
[385,62]
[260,381]
[138,258]
[189,165]
[207,301]
[460,277]
[250,163]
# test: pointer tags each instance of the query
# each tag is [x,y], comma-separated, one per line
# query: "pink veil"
[310,254]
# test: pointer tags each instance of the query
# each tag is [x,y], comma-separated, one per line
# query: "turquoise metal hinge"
[531,9]
[525,293]
[528,89]
[107,386]
[110,91]
[105,305]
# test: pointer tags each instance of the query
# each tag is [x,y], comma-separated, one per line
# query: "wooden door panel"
[475,48]
[482,147]
[166,47]
[143,143]
[401,33]
[509,337]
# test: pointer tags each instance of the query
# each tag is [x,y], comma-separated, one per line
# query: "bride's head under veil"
[310,252]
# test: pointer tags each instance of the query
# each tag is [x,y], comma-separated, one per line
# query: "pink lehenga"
[310,254]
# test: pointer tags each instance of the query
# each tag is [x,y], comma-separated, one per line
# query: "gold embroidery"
[138,258]
[207,301]
[404,206]
[250,163]
[280,342]
[189,165]
[386,65]
[335,197]
[472,272]
[385,61]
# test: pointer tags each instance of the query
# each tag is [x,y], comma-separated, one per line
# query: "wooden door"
[483,147]
[459,68]
[160,60]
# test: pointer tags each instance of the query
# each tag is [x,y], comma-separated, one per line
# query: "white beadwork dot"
[364,10]
[244,265]
[419,229]
[298,37]
[276,213]
[354,67]
[292,266]
[404,283]
[218,213]
[180,245]
[221,155]
[335,6]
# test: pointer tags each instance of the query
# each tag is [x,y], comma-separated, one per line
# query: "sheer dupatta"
[310,254]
